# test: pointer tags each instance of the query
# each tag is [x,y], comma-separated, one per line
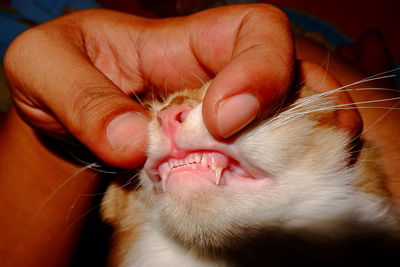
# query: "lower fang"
[164,185]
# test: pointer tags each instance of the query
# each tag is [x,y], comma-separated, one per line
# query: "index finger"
[258,75]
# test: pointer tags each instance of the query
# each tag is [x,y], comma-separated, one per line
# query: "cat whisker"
[378,120]
[306,108]
[50,197]
[368,79]
[372,78]
[309,100]
[314,98]
[370,107]
[293,114]
[79,195]
[137,98]
[371,89]
[297,114]
[324,65]
[385,72]
[90,165]
[77,219]
[94,207]
[198,78]
[153,104]
[127,183]
[370,101]
[277,112]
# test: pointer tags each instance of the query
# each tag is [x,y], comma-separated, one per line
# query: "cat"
[293,188]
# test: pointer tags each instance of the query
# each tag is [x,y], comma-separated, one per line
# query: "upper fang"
[218,172]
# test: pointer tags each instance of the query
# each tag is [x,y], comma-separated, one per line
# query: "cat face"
[289,171]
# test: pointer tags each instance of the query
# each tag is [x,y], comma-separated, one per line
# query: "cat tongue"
[195,168]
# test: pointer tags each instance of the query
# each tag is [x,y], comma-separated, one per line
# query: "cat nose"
[172,117]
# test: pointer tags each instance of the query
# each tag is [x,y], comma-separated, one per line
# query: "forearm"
[42,199]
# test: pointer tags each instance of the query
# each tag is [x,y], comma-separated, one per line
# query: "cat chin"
[225,230]
[314,193]
[222,221]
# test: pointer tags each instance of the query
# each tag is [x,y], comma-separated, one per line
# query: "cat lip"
[158,170]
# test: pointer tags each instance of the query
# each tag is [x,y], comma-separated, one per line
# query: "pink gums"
[202,170]
[207,166]
[192,169]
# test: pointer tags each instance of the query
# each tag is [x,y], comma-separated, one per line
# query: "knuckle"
[91,105]
[17,49]
[269,13]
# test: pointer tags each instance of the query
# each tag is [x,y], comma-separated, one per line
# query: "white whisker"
[378,120]
[385,72]
[127,183]
[198,78]
[371,89]
[369,102]
[137,98]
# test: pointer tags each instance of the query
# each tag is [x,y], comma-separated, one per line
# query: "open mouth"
[210,167]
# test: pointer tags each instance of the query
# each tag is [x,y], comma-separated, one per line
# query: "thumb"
[257,77]
[70,91]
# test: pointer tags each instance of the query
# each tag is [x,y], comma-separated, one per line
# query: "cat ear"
[346,115]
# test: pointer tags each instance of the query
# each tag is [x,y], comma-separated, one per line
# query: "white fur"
[313,191]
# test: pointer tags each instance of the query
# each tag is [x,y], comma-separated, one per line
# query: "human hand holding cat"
[76,74]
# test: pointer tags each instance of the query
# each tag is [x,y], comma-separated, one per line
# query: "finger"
[258,76]
[81,98]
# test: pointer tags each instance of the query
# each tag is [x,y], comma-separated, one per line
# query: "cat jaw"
[311,189]
[307,186]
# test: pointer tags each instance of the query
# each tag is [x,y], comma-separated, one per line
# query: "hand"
[76,74]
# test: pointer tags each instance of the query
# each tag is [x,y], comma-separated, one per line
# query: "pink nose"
[171,118]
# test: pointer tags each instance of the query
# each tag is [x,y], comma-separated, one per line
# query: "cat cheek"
[351,126]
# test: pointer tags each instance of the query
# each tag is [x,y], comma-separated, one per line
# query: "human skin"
[100,58]
[42,194]
[74,77]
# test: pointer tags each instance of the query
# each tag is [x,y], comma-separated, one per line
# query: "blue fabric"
[9,30]
[308,23]
[34,11]
[39,11]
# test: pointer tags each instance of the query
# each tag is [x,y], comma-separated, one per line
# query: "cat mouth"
[210,167]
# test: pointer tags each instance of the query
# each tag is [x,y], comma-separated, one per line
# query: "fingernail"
[126,129]
[235,113]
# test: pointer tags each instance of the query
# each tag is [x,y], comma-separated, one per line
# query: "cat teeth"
[203,161]
[190,159]
[218,172]
[216,162]
[164,171]
[198,157]
[164,184]
[212,164]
